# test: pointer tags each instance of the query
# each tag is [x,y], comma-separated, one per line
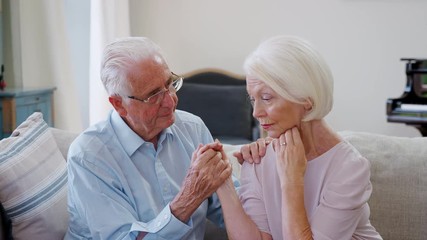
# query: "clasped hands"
[210,166]
[209,169]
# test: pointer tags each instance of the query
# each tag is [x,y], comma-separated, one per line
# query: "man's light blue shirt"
[120,185]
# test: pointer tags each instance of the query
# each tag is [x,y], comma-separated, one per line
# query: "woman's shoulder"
[260,179]
[260,172]
[348,158]
[348,184]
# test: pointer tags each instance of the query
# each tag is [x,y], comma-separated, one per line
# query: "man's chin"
[171,119]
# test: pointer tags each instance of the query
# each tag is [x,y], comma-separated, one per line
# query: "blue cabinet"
[19,103]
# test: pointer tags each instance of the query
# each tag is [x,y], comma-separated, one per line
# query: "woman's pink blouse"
[336,191]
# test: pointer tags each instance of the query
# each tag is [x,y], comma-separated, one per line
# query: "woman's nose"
[257,111]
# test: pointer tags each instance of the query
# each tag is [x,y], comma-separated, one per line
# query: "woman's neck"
[317,138]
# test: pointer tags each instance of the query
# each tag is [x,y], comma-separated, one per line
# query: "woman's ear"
[308,105]
[117,103]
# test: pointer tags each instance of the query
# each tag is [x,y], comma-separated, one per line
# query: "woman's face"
[275,114]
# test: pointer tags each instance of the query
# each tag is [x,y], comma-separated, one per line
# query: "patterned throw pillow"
[33,182]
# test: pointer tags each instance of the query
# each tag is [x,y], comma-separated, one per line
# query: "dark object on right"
[411,107]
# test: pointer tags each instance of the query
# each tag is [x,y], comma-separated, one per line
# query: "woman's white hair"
[296,71]
[122,54]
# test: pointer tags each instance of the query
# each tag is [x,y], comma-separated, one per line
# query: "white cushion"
[229,150]
[33,183]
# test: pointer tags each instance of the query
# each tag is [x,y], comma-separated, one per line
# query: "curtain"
[41,55]
[109,20]
[59,43]
[66,109]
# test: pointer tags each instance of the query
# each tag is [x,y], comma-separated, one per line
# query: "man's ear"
[117,103]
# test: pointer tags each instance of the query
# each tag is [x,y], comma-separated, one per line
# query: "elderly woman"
[311,184]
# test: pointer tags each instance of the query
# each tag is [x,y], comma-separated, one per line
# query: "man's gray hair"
[119,56]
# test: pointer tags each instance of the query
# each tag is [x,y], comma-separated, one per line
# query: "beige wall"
[37,55]
[363,41]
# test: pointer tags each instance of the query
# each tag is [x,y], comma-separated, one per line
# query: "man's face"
[148,119]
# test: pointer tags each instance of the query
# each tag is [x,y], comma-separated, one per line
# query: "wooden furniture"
[19,103]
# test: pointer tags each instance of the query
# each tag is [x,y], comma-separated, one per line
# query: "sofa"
[230,113]
[33,185]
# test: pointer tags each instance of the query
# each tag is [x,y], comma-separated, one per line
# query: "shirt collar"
[128,138]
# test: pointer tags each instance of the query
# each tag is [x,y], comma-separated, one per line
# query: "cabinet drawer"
[16,104]
[22,112]
[36,99]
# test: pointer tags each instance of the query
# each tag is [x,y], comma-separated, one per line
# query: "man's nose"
[168,99]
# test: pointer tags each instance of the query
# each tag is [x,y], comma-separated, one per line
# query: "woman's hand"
[290,157]
[253,152]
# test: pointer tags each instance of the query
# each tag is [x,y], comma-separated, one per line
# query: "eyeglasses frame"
[173,87]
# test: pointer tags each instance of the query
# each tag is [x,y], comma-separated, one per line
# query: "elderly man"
[149,170]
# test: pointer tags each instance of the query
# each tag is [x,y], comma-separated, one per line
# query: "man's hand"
[209,169]
[253,152]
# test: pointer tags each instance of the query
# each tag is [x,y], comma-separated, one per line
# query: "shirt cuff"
[165,225]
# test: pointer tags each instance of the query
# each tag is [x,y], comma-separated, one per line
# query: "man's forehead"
[148,77]
[150,68]
[158,59]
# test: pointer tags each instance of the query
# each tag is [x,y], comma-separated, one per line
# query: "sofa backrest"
[63,139]
[399,178]
[219,98]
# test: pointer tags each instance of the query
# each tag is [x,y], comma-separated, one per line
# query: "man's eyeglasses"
[157,97]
